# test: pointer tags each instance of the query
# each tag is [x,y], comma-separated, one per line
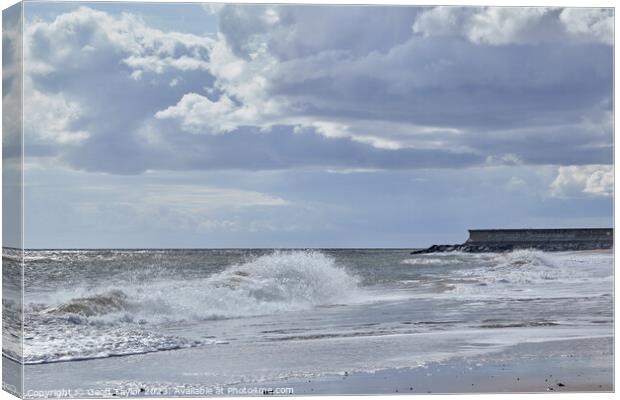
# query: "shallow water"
[327,310]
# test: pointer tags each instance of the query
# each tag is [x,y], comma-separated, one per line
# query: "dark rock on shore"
[465,248]
[505,247]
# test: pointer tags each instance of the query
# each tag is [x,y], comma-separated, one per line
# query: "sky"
[195,125]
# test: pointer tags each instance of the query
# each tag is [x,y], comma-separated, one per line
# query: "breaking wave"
[118,321]
[281,281]
[525,259]
[522,272]
[115,300]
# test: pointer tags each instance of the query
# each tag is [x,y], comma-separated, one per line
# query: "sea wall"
[540,235]
[500,240]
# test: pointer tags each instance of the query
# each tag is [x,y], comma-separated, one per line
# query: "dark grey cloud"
[452,83]
[323,86]
[560,145]
[296,32]
[252,149]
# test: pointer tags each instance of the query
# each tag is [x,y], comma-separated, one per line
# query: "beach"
[282,322]
[556,366]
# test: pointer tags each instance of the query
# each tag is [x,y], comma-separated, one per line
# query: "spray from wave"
[525,259]
[520,273]
[277,282]
[118,321]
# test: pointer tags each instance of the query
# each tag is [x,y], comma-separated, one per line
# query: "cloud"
[297,32]
[49,118]
[587,141]
[590,23]
[198,114]
[96,79]
[325,87]
[12,85]
[201,198]
[517,25]
[576,181]
[80,38]
[285,147]
[438,84]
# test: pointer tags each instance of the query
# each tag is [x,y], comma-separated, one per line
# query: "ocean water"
[327,311]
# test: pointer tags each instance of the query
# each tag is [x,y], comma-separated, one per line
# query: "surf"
[125,319]
[276,282]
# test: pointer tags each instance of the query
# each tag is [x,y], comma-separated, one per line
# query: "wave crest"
[112,301]
[302,278]
[122,318]
[276,282]
[519,273]
[525,259]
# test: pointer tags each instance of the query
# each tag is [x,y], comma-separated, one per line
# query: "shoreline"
[552,366]
[566,365]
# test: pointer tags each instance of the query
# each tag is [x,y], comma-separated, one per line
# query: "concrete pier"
[499,240]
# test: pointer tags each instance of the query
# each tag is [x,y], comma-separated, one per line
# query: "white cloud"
[245,81]
[590,23]
[506,25]
[87,41]
[198,114]
[49,118]
[483,25]
[576,181]
[60,44]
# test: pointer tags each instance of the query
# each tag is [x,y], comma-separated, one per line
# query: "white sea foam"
[530,272]
[423,261]
[56,343]
[77,323]
[277,282]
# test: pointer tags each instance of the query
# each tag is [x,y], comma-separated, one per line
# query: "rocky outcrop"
[503,247]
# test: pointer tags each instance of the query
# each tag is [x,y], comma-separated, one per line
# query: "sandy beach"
[556,366]
[582,365]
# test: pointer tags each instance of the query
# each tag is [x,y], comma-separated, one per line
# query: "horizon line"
[208,248]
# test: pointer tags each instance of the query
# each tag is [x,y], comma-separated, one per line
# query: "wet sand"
[579,365]
[560,366]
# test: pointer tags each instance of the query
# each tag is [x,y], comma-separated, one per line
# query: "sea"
[266,314]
